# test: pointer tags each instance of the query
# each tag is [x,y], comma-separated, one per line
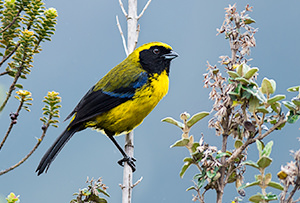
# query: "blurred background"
[87,44]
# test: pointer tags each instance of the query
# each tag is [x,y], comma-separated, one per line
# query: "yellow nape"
[131,113]
[135,55]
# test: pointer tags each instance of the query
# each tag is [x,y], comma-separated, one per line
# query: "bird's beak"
[170,55]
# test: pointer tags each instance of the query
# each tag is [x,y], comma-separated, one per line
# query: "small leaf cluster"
[51,109]
[12,198]
[22,59]
[25,99]
[201,154]
[293,105]
[9,31]
[25,24]
[92,193]
[188,122]
[249,95]
[262,180]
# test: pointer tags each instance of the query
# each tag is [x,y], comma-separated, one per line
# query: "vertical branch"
[133,30]
[127,171]
[129,148]
[131,25]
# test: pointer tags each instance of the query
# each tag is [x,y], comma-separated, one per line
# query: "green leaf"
[200,182]
[210,174]
[238,143]
[197,117]
[292,117]
[232,178]
[103,192]
[267,149]
[242,69]
[260,96]
[264,162]
[263,109]
[223,154]
[246,95]
[275,98]
[296,101]
[215,71]
[268,86]
[293,89]
[233,95]
[270,197]
[194,147]
[253,104]
[173,121]
[180,143]
[249,185]
[267,178]
[275,185]
[96,199]
[250,163]
[260,146]
[242,80]
[200,178]
[188,159]
[233,74]
[19,86]
[256,198]
[276,107]
[289,105]
[250,73]
[248,20]
[191,188]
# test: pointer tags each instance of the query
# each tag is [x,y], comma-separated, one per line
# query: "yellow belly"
[131,113]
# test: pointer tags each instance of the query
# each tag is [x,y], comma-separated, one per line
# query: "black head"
[156,58]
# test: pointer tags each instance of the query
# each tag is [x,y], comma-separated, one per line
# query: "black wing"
[100,101]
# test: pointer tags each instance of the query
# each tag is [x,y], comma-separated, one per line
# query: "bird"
[121,100]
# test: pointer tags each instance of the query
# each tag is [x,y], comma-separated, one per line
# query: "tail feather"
[55,149]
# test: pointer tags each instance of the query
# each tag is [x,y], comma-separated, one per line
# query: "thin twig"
[29,154]
[123,10]
[11,125]
[144,9]
[137,182]
[292,193]
[297,200]
[252,140]
[121,186]
[284,192]
[4,73]
[122,35]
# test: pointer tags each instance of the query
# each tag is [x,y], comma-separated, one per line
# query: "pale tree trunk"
[132,38]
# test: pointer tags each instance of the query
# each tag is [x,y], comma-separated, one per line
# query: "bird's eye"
[156,51]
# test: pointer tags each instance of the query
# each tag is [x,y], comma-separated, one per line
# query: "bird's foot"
[130,161]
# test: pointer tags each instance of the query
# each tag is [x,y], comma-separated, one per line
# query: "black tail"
[55,149]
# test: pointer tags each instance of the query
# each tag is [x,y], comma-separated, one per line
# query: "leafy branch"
[50,113]
[22,44]
[244,111]
[24,97]
[92,192]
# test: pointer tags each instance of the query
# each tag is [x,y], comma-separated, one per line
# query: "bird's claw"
[130,161]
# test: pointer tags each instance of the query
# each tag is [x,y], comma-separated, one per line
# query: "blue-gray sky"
[87,44]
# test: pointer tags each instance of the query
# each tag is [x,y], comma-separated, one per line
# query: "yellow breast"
[131,113]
